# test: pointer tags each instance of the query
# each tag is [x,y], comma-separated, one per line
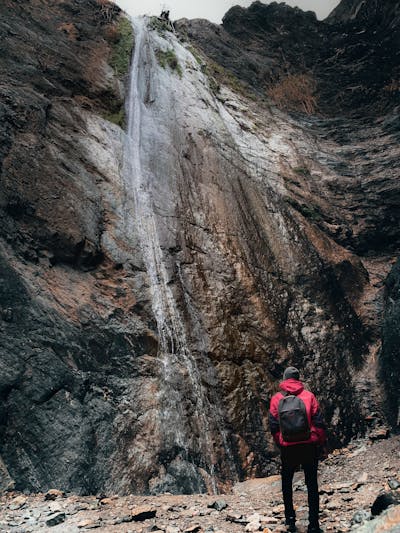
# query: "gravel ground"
[350,480]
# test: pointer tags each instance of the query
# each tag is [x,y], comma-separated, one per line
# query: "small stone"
[139,514]
[155,529]
[55,519]
[86,524]
[193,529]
[393,483]
[279,509]
[106,501]
[123,520]
[219,505]
[53,494]
[237,518]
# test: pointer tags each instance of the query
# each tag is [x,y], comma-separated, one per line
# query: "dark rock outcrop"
[390,365]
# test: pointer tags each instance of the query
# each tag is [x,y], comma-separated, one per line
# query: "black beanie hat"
[291,373]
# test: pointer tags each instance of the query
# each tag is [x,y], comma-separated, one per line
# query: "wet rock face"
[273,234]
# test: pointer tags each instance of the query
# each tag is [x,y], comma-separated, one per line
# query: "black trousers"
[305,455]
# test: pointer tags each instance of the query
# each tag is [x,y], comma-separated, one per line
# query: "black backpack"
[293,419]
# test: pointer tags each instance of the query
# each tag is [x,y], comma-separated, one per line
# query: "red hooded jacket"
[315,419]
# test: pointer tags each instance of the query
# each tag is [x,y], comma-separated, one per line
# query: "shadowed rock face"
[272,231]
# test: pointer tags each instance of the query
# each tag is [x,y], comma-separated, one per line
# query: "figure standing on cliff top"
[298,429]
[165,15]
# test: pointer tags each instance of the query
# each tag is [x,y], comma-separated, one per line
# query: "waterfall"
[148,169]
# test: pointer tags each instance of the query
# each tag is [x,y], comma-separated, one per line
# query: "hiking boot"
[291,524]
[314,529]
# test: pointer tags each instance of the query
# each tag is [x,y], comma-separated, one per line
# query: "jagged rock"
[193,529]
[86,524]
[106,501]
[139,514]
[55,519]
[393,483]
[236,518]
[53,494]
[218,505]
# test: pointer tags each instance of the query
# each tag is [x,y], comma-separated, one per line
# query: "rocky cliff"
[155,283]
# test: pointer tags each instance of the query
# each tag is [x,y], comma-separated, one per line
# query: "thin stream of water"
[174,348]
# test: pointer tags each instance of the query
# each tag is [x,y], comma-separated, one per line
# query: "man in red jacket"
[305,450]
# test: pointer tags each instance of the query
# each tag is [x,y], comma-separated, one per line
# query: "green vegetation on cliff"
[167,58]
[122,47]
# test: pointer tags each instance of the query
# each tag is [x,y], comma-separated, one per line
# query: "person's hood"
[293,386]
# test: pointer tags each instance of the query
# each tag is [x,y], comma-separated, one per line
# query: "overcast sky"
[212,10]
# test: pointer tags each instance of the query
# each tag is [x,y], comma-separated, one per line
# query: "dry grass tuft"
[107,10]
[296,92]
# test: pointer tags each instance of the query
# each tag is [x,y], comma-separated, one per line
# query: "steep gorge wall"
[276,232]
[71,336]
